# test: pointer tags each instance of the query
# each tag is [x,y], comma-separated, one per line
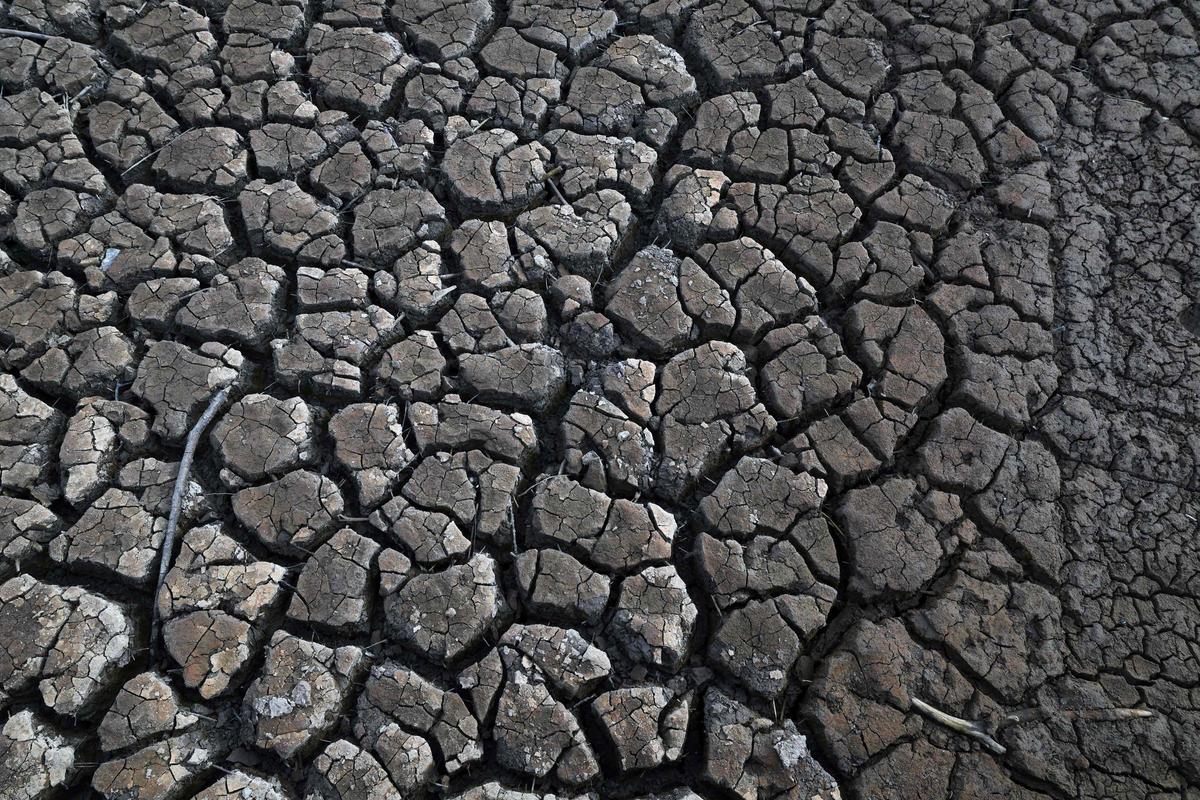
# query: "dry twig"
[1083,714]
[181,478]
[38,37]
[976,730]
[959,725]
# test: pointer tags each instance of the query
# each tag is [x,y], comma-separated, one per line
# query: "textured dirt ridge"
[634,399]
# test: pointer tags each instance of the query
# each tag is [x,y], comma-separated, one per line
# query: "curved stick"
[959,725]
[1083,714]
[39,37]
[181,479]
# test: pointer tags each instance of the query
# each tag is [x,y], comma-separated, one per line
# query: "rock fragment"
[755,759]
[399,712]
[28,430]
[389,222]
[116,536]
[300,695]
[607,534]
[213,602]
[709,408]
[334,590]
[655,618]
[519,376]
[356,69]
[68,642]
[445,614]
[293,514]
[25,528]
[212,160]
[344,771]
[146,706]
[178,382]
[491,173]
[239,785]
[646,725]
[164,770]
[96,436]
[259,436]
[555,585]
[369,444]
[35,759]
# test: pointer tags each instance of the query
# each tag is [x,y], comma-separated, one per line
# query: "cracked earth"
[634,399]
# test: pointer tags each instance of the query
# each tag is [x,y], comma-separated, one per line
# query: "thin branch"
[551,174]
[959,725]
[181,479]
[1026,715]
[40,37]
[562,200]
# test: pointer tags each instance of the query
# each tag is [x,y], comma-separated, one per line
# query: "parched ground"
[634,399]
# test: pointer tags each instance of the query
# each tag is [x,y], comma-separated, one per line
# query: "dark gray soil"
[633,399]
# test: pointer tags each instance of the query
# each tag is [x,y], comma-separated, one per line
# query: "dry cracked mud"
[633,399]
